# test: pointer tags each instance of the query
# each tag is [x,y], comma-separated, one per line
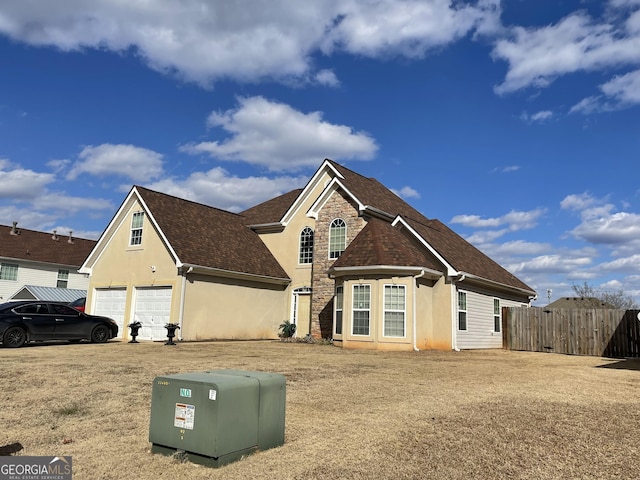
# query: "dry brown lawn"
[349,414]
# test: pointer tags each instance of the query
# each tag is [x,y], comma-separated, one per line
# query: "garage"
[153,310]
[110,302]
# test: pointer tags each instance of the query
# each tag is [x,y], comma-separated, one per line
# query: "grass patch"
[349,414]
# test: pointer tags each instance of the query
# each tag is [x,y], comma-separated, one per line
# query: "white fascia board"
[451,272]
[311,184]
[479,279]
[326,194]
[107,234]
[428,272]
[232,274]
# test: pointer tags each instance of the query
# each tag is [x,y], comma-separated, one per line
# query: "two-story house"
[40,259]
[343,258]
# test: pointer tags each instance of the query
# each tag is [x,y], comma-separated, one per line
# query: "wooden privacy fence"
[576,331]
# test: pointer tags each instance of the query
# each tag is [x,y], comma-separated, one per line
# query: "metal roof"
[49,294]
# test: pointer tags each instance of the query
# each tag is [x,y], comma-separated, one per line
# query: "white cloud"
[406,192]
[61,202]
[516,220]
[538,117]
[22,184]
[620,92]
[136,163]
[327,77]
[276,136]
[537,56]
[629,264]
[612,229]
[409,28]
[203,41]
[218,188]
[551,264]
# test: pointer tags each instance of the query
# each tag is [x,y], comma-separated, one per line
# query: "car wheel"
[100,334]
[14,337]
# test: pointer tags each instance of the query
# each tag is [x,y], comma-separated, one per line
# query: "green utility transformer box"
[216,417]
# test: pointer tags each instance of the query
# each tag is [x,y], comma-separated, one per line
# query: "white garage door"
[152,309]
[110,302]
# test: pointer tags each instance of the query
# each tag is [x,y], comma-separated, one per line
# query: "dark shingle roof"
[374,194]
[579,302]
[380,244]
[34,246]
[463,256]
[272,210]
[209,237]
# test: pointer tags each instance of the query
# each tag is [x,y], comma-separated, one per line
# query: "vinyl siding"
[42,275]
[480,332]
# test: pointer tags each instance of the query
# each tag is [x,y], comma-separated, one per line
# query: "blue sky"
[517,123]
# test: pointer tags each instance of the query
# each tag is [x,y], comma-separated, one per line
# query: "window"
[63,278]
[136,228]
[497,315]
[337,237]
[8,271]
[306,246]
[338,305]
[361,306]
[462,310]
[394,310]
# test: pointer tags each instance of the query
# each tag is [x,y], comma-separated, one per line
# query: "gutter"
[233,274]
[415,314]
[182,295]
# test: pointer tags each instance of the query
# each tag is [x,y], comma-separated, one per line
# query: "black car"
[26,321]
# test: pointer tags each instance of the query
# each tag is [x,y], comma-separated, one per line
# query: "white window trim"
[403,311]
[466,311]
[354,309]
[10,265]
[313,234]
[63,279]
[336,310]
[345,238]
[131,229]
[498,315]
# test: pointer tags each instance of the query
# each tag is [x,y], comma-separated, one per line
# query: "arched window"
[337,237]
[306,246]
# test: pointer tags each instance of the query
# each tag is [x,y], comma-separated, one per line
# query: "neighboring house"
[579,302]
[343,258]
[40,259]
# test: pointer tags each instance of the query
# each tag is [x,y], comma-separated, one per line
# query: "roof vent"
[70,237]
[14,229]
[55,236]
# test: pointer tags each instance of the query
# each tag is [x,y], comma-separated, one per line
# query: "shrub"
[287,329]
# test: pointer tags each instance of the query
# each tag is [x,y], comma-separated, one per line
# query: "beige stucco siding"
[145,265]
[220,308]
[377,339]
[285,245]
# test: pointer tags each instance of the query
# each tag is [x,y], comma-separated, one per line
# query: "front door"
[302,311]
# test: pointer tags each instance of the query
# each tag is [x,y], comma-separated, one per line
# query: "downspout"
[415,320]
[454,310]
[182,295]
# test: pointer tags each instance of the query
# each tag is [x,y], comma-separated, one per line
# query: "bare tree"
[617,299]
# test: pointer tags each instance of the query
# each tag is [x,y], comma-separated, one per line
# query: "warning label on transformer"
[185,416]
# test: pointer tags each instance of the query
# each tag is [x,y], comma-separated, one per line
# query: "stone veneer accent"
[323,287]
